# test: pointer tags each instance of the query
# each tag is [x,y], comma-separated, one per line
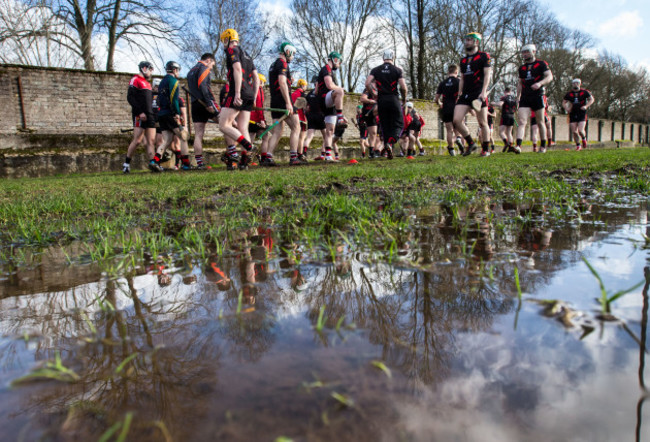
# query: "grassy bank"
[198,214]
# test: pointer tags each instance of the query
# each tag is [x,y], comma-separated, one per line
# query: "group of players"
[383,117]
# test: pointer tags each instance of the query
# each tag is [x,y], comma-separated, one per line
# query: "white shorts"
[329,101]
[331,119]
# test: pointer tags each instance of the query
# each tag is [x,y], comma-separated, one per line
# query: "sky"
[618,25]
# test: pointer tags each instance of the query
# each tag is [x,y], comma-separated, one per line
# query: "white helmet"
[529,47]
[409,104]
[388,54]
[576,80]
[156,82]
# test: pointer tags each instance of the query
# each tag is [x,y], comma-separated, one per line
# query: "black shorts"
[303,126]
[339,131]
[254,128]
[246,105]
[200,113]
[415,128]
[363,131]
[578,117]
[149,124]
[533,121]
[158,129]
[447,114]
[535,102]
[370,120]
[277,103]
[466,99]
[167,122]
[507,120]
[315,121]
[326,111]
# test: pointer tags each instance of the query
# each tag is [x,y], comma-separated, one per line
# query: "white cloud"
[625,24]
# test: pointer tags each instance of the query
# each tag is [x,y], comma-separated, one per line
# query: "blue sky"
[617,24]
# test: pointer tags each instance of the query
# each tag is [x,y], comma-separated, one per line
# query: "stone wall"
[50,101]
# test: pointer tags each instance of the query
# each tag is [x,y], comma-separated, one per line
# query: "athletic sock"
[519,141]
[244,143]
[304,150]
[542,143]
[156,158]
[485,146]
[339,112]
[127,160]
[185,159]
[469,140]
[199,160]
[293,155]
[232,149]
[534,145]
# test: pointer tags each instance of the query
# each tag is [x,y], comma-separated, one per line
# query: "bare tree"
[350,27]
[212,17]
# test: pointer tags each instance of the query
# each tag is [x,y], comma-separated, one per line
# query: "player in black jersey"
[203,104]
[243,86]
[576,102]
[475,75]
[508,105]
[330,100]
[369,111]
[140,98]
[386,78]
[280,86]
[360,123]
[533,76]
[448,92]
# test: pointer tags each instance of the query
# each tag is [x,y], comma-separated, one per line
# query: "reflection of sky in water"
[462,372]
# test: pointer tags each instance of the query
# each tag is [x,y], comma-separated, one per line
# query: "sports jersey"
[448,89]
[509,105]
[531,73]
[235,55]
[368,106]
[294,96]
[257,116]
[168,96]
[279,67]
[198,81]
[472,69]
[326,71]
[577,99]
[387,78]
[139,96]
[313,106]
[361,122]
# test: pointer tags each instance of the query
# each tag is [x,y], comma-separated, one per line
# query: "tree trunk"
[112,38]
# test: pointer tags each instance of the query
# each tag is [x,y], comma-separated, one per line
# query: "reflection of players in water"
[533,240]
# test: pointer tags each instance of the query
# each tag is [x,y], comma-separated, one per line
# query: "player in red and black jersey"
[475,76]
[448,92]
[369,112]
[280,85]
[576,102]
[203,105]
[360,123]
[243,85]
[140,98]
[508,105]
[533,76]
[386,78]
[331,100]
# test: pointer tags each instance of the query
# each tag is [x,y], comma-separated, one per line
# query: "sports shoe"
[422,153]
[244,161]
[470,149]
[506,148]
[451,151]
[201,167]
[578,147]
[485,153]
[584,144]
[303,158]
[187,167]
[295,162]
[230,159]
[459,143]
[389,153]
[515,149]
[542,150]
[155,167]
[401,153]
[534,148]
[268,162]
[336,158]
[126,168]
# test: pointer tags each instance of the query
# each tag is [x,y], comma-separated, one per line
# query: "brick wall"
[65,101]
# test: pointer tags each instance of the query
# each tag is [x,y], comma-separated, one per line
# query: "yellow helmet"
[262,78]
[302,83]
[229,35]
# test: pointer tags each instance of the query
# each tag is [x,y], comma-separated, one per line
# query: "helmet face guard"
[171,66]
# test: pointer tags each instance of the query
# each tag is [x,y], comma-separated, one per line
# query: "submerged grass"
[369,205]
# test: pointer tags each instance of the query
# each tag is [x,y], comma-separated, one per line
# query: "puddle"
[271,340]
